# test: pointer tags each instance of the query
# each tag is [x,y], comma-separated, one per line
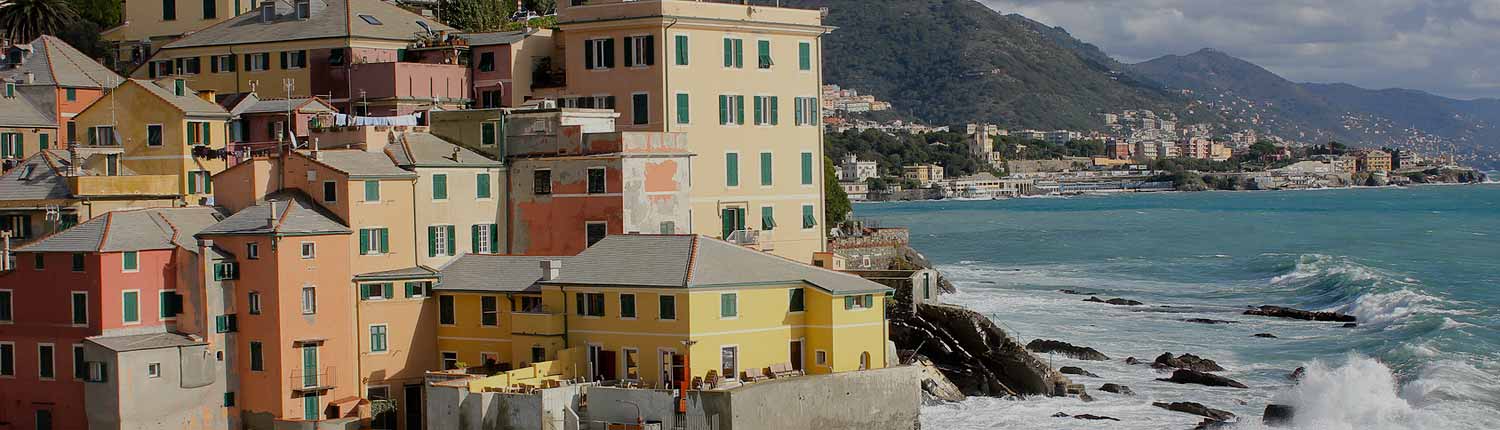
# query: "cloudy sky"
[1448,47]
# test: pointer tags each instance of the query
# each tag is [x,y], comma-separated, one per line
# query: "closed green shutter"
[131,302]
[372,191]
[739,53]
[682,50]
[773,108]
[487,130]
[728,305]
[765,168]
[682,109]
[432,241]
[807,168]
[483,184]
[804,56]
[728,52]
[797,111]
[44,141]
[452,243]
[848,302]
[364,291]
[364,241]
[410,290]
[739,110]
[732,169]
[131,261]
[474,238]
[494,238]
[439,187]
[760,104]
[388,289]
[385,240]
[723,111]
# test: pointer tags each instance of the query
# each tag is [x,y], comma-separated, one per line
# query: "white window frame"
[599,53]
[13,364]
[441,360]
[137,268]
[39,347]
[296,59]
[386,332]
[252,250]
[153,370]
[675,109]
[440,239]
[72,310]
[374,239]
[138,299]
[676,47]
[625,363]
[309,300]
[485,233]
[371,288]
[258,62]
[736,306]
[638,46]
[254,303]
[309,250]
[163,135]
[496,311]
[720,361]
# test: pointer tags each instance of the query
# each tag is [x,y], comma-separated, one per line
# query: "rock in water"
[1284,312]
[1186,361]
[973,353]
[1094,417]
[1071,370]
[1060,415]
[1208,321]
[1085,397]
[1115,301]
[1185,376]
[1196,409]
[1278,415]
[1132,361]
[1116,388]
[1297,374]
[1211,424]
[1350,325]
[1072,292]
[1079,352]
[1265,335]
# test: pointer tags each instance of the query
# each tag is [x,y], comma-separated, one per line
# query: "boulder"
[1115,301]
[936,388]
[1265,335]
[1350,325]
[1116,388]
[1186,361]
[1132,361]
[1212,424]
[1071,370]
[1185,376]
[1278,415]
[978,357]
[1085,397]
[1094,417]
[1208,321]
[1072,292]
[1284,312]
[1195,409]
[1060,415]
[1045,346]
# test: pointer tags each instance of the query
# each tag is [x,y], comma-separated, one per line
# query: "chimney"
[267,11]
[208,95]
[317,154]
[551,269]
[271,220]
[30,78]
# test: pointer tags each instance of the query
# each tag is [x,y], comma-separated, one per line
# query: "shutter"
[760,104]
[283,60]
[765,168]
[804,56]
[848,302]
[248,61]
[588,54]
[651,50]
[93,136]
[432,241]
[494,238]
[739,111]
[364,291]
[630,52]
[732,169]
[192,132]
[452,244]
[364,241]
[578,301]
[192,182]
[728,52]
[723,113]
[682,50]
[409,290]
[385,240]
[229,61]
[797,111]
[609,53]
[774,102]
[388,288]
[474,238]
[213,64]
[807,168]
[45,139]
[739,53]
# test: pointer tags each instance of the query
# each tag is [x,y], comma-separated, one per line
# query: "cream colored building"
[742,82]
[146,25]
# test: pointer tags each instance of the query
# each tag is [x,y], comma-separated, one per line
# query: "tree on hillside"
[836,205]
[541,7]
[104,13]
[476,15]
[24,20]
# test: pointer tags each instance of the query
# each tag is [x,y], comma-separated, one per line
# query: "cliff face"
[979,357]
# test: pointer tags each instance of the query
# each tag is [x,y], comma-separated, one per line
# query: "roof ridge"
[50,69]
[281,219]
[175,231]
[692,260]
[109,219]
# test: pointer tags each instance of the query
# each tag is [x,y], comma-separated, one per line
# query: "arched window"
[864,360]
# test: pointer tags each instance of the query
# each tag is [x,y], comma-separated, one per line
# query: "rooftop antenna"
[289,84]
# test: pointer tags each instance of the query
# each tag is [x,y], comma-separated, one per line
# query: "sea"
[1418,266]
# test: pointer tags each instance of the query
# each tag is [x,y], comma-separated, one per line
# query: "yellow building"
[658,309]
[162,134]
[146,25]
[742,81]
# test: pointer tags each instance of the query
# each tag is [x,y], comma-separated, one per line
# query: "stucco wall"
[458,409]
[874,399]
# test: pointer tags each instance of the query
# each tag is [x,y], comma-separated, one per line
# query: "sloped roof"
[189,103]
[496,37]
[486,272]
[694,261]
[139,342]
[300,104]
[296,215]
[414,272]
[130,230]
[53,62]
[33,106]
[361,164]
[41,182]
[236,103]
[329,19]
[417,149]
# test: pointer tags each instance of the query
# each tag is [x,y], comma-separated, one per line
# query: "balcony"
[302,382]
[541,323]
[123,186]
[753,239]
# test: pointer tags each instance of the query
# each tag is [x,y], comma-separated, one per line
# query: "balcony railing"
[303,381]
[757,239]
[540,323]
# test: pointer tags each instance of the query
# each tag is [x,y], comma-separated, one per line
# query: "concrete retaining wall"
[452,408]
[874,399]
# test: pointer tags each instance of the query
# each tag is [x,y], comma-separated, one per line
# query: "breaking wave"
[1372,295]
[1364,393]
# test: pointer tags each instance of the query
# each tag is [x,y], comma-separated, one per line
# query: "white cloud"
[1443,46]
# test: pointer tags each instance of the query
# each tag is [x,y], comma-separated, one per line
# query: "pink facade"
[498,79]
[42,303]
[411,82]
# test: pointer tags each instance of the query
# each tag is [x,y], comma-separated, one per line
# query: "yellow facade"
[267,82]
[702,81]
[134,112]
[463,207]
[150,19]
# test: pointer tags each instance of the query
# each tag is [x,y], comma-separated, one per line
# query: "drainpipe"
[666,70]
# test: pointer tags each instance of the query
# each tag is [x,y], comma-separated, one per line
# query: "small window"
[309,300]
[7,313]
[78,262]
[797,301]
[153,370]
[482,186]
[542,182]
[130,261]
[252,251]
[821,357]
[595,231]
[596,180]
[590,304]
[257,357]
[130,304]
[729,305]
[640,108]
[440,187]
[450,360]
[38,260]
[7,359]
[47,362]
[668,307]
[489,311]
[309,250]
[627,305]
[153,135]
[487,61]
[445,310]
[370,20]
[330,191]
[378,338]
[80,312]
[372,191]
[254,303]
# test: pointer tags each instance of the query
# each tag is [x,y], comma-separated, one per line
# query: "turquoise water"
[1419,267]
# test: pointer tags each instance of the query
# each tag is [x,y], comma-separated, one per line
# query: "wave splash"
[1365,394]
[1372,295]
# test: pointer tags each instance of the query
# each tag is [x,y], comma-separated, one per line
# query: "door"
[310,407]
[607,361]
[595,368]
[413,407]
[667,362]
[732,219]
[309,366]
[796,355]
[43,419]
[730,362]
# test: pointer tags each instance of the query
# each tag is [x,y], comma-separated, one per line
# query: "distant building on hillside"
[857,171]
[923,173]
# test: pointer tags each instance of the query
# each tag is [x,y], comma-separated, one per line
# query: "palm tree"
[24,20]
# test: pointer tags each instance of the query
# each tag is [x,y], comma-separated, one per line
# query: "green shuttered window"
[729,305]
[732,169]
[765,168]
[804,56]
[682,108]
[440,187]
[482,184]
[807,168]
[130,303]
[682,49]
